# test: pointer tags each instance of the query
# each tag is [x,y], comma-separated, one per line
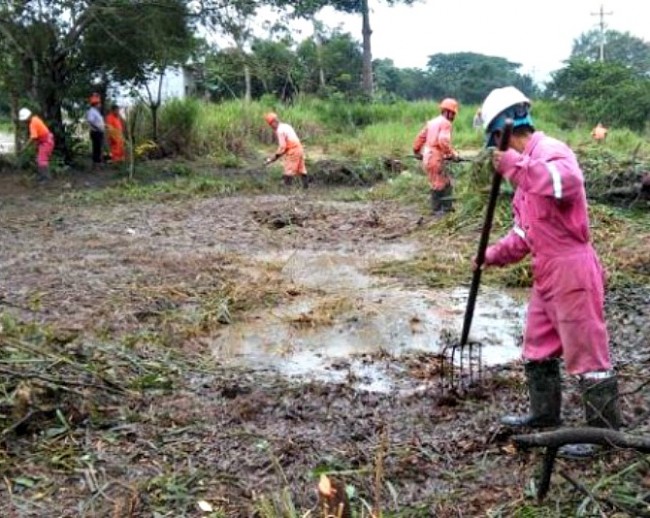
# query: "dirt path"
[316,365]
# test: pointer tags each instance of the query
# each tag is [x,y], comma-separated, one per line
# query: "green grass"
[349,129]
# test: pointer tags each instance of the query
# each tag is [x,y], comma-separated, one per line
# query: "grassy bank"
[349,129]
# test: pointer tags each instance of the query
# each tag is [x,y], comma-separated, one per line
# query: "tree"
[406,83]
[42,42]
[59,47]
[620,47]
[136,43]
[338,60]
[233,19]
[275,67]
[470,76]
[308,8]
[609,92]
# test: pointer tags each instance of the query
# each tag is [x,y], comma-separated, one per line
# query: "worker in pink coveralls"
[433,146]
[290,149]
[565,314]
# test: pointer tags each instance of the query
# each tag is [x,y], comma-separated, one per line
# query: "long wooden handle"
[485,237]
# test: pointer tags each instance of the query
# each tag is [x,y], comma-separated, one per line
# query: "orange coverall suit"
[115,131]
[290,148]
[44,139]
[599,133]
[434,141]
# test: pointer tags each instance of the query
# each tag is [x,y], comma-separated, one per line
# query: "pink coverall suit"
[290,148]
[565,313]
[434,140]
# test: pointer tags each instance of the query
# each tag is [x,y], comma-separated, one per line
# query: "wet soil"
[292,360]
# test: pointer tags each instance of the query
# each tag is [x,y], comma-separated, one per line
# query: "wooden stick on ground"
[552,441]
[584,435]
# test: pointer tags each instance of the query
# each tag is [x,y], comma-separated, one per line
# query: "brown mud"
[284,357]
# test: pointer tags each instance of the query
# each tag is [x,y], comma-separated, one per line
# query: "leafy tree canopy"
[609,92]
[470,77]
[619,47]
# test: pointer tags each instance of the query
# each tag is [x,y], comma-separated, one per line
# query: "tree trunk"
[366,74]
[154,121]
[52,90]
[18,143]
[319,52]
[248,95]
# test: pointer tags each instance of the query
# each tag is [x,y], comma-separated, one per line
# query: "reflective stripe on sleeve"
[557,179]
[520,232]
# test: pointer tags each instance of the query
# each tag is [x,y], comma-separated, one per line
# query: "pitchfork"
[476,278]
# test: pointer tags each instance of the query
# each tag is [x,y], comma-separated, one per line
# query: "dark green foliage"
[609,92]
[470,77]
[619,47]
[178,121]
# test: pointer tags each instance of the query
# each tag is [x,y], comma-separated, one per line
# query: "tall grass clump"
[178,126]
[229,128]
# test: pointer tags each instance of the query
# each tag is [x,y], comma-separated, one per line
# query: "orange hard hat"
[449,104]
[271,117]
[95,99]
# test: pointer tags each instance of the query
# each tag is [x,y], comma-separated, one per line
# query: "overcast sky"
[539,35]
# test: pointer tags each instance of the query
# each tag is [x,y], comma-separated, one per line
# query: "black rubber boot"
[288,180]
[600,399]
[545,394]
[447,199]
[43,174]
[436,204]
[305,181]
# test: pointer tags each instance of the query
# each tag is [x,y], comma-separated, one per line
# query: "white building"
[177,83]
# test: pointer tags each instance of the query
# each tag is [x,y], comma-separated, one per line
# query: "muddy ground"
[254,349]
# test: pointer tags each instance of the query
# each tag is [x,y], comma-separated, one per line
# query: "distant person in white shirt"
[477,122]
[95,121]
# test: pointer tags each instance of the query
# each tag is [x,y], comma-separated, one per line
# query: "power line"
[601,13]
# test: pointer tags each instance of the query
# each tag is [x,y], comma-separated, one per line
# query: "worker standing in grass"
[40,134]
[477,121]
[290,149]
[115,132]
[565,313]
[433,146]
[97,127]
[599,133]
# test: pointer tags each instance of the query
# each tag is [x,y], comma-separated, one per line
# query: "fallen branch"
[584,435]
[552,441]
[597,499]
[580,487]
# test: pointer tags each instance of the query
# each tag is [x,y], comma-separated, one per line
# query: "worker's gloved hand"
[417,155]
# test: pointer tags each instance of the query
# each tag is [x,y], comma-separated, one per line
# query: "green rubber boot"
[600,399]
[545,394]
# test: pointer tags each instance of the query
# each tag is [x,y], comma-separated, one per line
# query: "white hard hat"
[501,99]
[24,114]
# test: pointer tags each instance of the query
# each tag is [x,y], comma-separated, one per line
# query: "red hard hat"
[449,104]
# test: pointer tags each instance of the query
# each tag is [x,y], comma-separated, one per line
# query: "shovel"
[480,256]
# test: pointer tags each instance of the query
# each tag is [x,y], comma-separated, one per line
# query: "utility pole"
[602,15]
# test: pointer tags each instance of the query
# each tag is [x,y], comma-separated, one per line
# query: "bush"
[178,127]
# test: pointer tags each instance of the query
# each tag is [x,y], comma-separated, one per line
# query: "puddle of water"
[324,338]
